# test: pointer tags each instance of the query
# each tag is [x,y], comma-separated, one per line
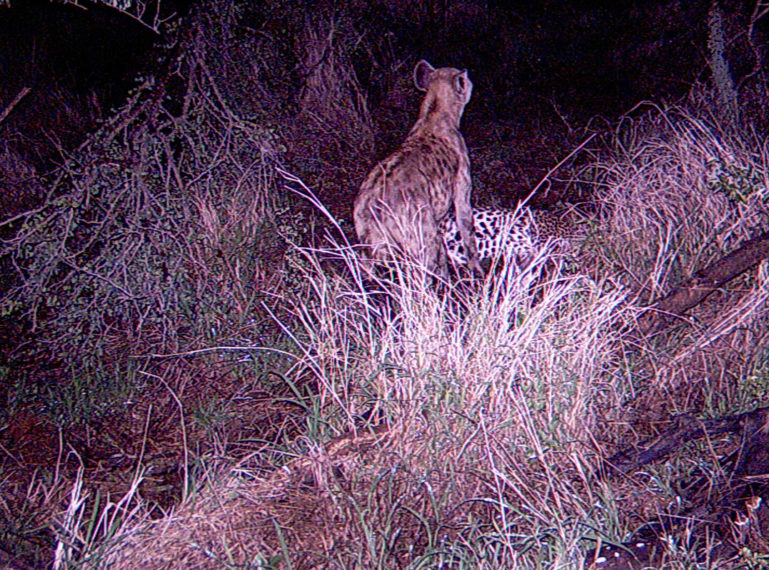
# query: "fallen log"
[694,290]
[731,512]
[686,428]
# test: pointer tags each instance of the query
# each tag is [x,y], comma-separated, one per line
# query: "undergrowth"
[459,426]
[481,403]
[146,245]
[674,195]
[220,385]
[139,294]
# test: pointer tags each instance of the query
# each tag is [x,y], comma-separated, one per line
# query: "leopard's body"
[519,234]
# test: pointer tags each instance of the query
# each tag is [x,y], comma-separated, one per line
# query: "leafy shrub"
[153,236]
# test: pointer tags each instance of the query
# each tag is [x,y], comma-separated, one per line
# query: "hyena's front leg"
[464,216]
[437,253]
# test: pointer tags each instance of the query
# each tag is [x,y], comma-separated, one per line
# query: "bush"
[150,240]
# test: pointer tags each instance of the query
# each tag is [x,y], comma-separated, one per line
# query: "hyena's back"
[404,198]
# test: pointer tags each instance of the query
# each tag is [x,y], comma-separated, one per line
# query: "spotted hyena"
[406,196]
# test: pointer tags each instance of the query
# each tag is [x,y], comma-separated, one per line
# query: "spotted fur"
[516,234]
[406,196]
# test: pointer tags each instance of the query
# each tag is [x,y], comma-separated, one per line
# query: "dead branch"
[732,509]
[9,108]
[693,291]
[686,428]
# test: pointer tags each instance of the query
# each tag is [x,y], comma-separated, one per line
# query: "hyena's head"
[447,87]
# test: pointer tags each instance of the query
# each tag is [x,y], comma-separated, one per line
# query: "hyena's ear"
[422,73]
[462,85]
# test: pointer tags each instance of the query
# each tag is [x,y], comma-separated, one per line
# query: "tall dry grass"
[461,428]
[674,194]
[458,426]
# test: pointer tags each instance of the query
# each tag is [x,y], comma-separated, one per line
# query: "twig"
[211,350]
[556,167]
[7,111]
[140,9]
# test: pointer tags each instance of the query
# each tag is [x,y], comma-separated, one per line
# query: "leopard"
[404,199]
[515,234]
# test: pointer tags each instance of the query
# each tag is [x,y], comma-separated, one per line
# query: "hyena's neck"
[438,116]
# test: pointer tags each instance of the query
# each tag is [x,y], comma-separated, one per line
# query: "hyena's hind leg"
[424,242]
[436,252]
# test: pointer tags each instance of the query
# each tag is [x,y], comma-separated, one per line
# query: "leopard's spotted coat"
[519,234]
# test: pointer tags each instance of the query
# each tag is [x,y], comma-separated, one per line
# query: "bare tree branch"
[9,108]
[145,12]
[693,291]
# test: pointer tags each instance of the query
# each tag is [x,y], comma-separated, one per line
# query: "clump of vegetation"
[675,196]
[141,284]
[213,384]
[435,425]
[147,239]
[465,429]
